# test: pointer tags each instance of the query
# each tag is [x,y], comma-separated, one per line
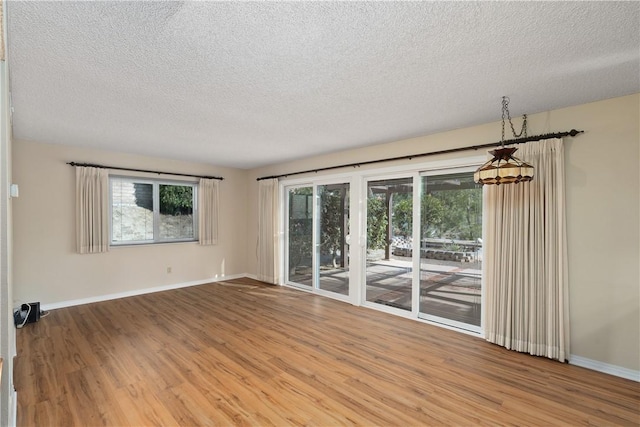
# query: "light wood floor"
[242,353]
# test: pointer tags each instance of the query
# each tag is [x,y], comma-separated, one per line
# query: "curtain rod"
[572,132]
[91,165]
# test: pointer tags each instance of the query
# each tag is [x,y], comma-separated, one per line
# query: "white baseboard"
[606,368]
[135,292]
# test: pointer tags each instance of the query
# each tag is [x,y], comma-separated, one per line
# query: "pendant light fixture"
[504,168]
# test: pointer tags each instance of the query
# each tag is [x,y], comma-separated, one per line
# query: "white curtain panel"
[268,231]
[527,307]
[92,210]
[208,205]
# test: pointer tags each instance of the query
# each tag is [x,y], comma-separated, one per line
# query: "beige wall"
[603,204]
[48,270]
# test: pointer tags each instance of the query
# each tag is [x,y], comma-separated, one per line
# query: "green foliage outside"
[332,217]
[444,214]
[377,218]
[300,228]
[448,214]
[376,222]
[463,218]
[432,213]
[332,210]
[402,219]
[176,200]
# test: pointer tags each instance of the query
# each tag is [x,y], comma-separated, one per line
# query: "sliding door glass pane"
[300,235]
[451,248]
[389,239]
[333,252]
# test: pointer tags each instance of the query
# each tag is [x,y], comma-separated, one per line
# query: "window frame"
[155,183]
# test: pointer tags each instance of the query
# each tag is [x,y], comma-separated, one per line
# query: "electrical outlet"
[168,270]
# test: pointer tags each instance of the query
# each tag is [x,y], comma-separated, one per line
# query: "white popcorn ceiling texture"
[245,84]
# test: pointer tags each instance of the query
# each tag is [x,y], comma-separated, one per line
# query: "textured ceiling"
[246,84]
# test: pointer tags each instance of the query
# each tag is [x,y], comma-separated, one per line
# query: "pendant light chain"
[504,168]
[505,112]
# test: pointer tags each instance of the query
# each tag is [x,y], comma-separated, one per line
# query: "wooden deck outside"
[451,293]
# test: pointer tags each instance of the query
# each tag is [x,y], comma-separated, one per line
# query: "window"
[152,211]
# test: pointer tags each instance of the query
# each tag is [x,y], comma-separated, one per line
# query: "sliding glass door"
[416,243]
[300,236]
[332,266]
[317,251]
[389,238]
[451,249]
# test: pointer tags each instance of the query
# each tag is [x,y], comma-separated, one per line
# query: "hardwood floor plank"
[333,387]
[51,412]
[91,401]
[190,407]
[142,407]
[287,390]
[245,353]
